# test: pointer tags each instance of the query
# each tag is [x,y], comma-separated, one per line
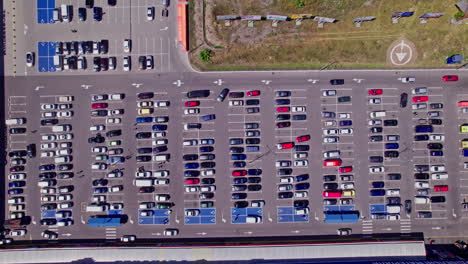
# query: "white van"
[97,208]
[58,63]
[440,176]
[253,219]
[15,121]
[143,182]
[63,159]
[66,99]
[161,157]
[46,183]
[393,209]
[421,200]
[377,114]
[56,15]
[64,13]
[61,128]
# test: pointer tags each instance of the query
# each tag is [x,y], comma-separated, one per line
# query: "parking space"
[157,217]
[45,9]
[246,215]
[289,215]
[203,216]
[46,53]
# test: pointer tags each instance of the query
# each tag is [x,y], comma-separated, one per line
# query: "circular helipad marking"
[401,54]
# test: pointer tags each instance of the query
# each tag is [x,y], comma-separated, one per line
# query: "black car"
[254,171]
[99,113]
[344,99]
[403,100]
[47,175]
[329,178]
[254,187]
[198,93]
[252,141]
[100,182]
[147,95]
[49,206]
[421,138]
[394,176]
[421,176]
[326,114]
[144,150]
[96,139]
[208,164]
[435,146]
[252,110]
[146,189]
[301,203]
[283,101]
[82,13]
[236,141]
[49,122]
[207,195]
[376,138]
[142,62]
[207,181]
[255,179]
[376,159]
[283,124]
[143,158]
[239,164]
[114,133]
[421,168]
[285,195]
[89,3]
[31,149]
[236,94]
[394,200]
[17,153]
[286,171]
[238,196]
[17,130]
[337,82]
[241,204]
[190,157]
[282,93]
[438,199]
[97,64]
[390,122]
[237,180]
[65,167]
[160,149]
[299,117]
[141,135]
[47,167]
[301,147]
[191,173]
[423,214]
[436,106]
[65,175]
[391,154]
[104,64]
[97,13]
[251,125]
[48,221]
[283,117]
[112,2]
[435,121]
[222,95]
[330,186]
[376,129]
[408,206]
[252,102]
[236,150]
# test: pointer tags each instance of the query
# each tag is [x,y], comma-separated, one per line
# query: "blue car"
[239,180]
[207,117]
[97,13]
[238,156]
[254,171]
[191,173]
[378,184]
[192,165]
[16,184]
[116,159]
[392,145]
[206,149]
[377,192]
[346,123]
[423,129]
[145,119]
[100,190]
[302,177]
[302,186]
[438,153]
[15,191]
[159,127]
[239,164]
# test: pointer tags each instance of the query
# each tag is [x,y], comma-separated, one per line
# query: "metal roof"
[218,253]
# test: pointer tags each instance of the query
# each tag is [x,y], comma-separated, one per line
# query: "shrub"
[205,55]
[300,3]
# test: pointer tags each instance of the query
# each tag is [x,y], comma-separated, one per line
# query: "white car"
[192,212]
[190,142]
[439,176]
[298,109]
[300,155]
[128,238]
[144,174]
[126,63]
[95,47]
[99,149]
[209,172]
[159,134]
[407,79]
[114,120]
[15,200]
[29,59]
[65,114]
[329,123]
[116,112]
[300,163]
[48,137]
[436,137]
[17,176]
[160,142]
[437,168]
[288,179]
[192,111]
[331,139]
[420,184]
[162,197]
[65,136]
[97,128]
[257,203]
[332,154]
[376,169]
[347,186]
[375,122]
[283,163]
[48,145]
[150,13]
[149,62]
[48,198]
[346,131]
[420,90]
[65,205]
[236,103]
[116,188]
[329,93]
[161,173]
[393,192]
[344,115]
[127,45]
[99,97]
[145,104]
[375,101]
[330,131]
[115,174]
[192,188]
[65,197]
[65,222]
[209,188]
[64,106]
[302,194]
[81,63]
[171,232]
[48,114]
[98,198]
[161,181]
[419,106]
[18,232]
[48,154]
[48,106]
[117,96]
[99,166]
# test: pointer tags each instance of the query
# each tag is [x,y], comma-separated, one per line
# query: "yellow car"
[464,128]
[145,111]
[464,143]
[349,193]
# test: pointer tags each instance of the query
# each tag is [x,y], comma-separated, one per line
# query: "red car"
[332,163]
[419,99]
[331,194]
[346,169]
[239,173]
[285,145]
[441,188]
[375,91]
[192,103]
[303,138]
[192,181]
[253,93]
[99,105]
[282,109]
[450,78]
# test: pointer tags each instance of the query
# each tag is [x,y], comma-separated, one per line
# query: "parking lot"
[286,156]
